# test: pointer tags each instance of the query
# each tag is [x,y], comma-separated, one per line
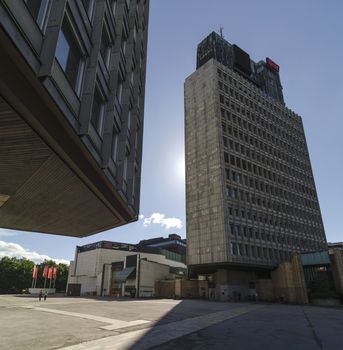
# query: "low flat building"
[120,269]
[336,246]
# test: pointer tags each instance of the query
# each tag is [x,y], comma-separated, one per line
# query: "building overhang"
[49,181]
[205,269]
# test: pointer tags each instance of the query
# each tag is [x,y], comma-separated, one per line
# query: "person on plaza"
[45,295]
[40,295]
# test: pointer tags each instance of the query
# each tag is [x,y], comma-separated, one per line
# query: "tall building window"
[119,91]
[123,43]
[88,5]
[125,169]
[98,108]
[39,10]
[129,121]
[114,6]
[114,149]
[134,185]
[125,166]
[105,46]
[69,55]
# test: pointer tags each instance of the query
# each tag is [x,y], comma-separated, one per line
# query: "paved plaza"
[82,323]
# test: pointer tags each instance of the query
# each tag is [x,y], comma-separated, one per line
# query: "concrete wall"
[289,282]
[149,273]
[165,289]
[180,288]
[89,284]
[206,230]
[337,270]
[233,285]
[265,289]
[86,264]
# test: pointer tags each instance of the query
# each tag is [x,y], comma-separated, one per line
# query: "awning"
[316,258]
[122,276]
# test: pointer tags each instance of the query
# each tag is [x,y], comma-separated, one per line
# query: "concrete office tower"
[251,196]
[72,77]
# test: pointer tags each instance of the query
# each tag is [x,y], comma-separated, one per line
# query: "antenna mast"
[221,31]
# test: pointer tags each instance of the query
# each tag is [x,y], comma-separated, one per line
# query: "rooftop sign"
[271,64]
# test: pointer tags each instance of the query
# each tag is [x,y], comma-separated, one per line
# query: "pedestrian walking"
[45,295]
[40,295]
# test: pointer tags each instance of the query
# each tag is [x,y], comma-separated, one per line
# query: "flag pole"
[34,275]
[54,275]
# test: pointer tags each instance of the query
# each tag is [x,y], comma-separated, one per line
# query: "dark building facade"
[173,244]
[251,199]
[72,78]
[264,75]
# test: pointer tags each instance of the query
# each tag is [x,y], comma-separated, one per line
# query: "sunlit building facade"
[250,192]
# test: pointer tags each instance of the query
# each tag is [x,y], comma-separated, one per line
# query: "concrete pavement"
[81,323]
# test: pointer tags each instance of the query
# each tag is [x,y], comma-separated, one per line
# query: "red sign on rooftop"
[271,64]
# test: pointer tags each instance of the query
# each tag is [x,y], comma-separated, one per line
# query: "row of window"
[272,204]
[264,193]
[250,151]
[72,56]
[72,60]
[240,231]
[297,145]
[276,219]
[265,187]
[281,114]
[268,175]
[257,252]
[233,176]
[268,203]
[242,126]
[253,110]
[250,148]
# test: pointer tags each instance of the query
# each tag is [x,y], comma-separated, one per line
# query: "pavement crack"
[315,335]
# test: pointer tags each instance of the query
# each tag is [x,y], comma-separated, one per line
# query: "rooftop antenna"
[221,31]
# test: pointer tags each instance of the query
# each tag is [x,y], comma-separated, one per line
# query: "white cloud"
[16,250]
[7,233]
[158,218]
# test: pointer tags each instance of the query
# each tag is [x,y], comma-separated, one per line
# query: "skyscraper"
[251,199]
[72,77]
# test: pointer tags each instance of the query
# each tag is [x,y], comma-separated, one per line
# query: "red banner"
[45,271]
[54,272]
[50,273]
[35,271]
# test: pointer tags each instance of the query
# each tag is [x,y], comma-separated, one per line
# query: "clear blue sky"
[303,37]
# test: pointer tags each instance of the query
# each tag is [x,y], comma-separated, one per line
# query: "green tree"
[62,277]
[15,274]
